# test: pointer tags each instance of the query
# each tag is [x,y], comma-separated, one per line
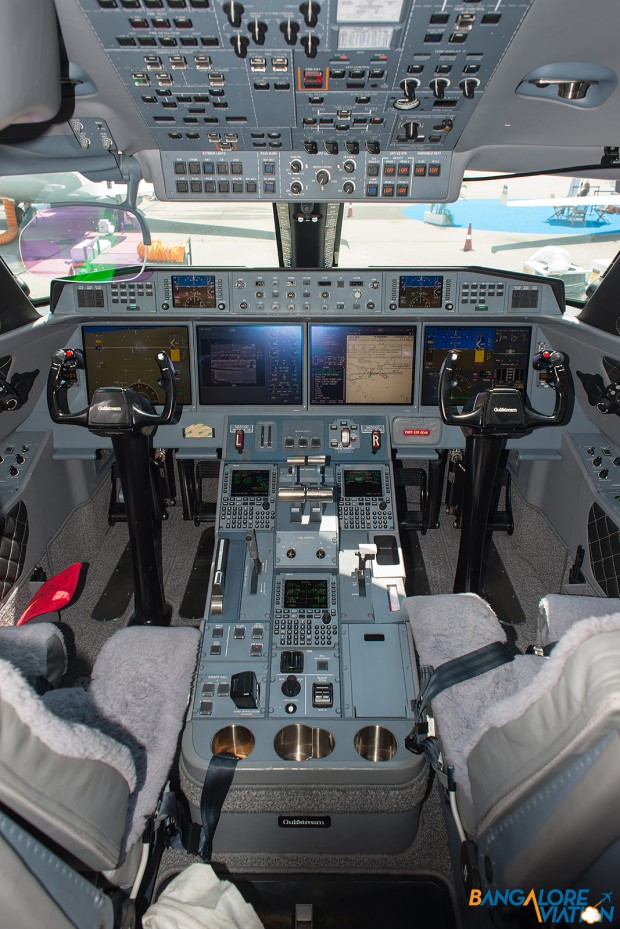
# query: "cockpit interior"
[309,464]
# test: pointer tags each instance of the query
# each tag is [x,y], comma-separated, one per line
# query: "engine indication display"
[193,290]
[420,291]
[489,357]
[305,594]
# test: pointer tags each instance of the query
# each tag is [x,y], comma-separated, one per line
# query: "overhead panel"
[337,100]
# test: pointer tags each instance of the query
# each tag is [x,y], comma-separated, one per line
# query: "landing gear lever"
[496,415]
[128,418]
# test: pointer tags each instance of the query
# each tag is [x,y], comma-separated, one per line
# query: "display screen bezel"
[411,284]
[234,396]
[255,491]
[349,483]
[427,394]
[185,398]
[308,584]
[362,329]
[191,281]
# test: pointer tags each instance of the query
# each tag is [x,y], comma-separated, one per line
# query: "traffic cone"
[468,246]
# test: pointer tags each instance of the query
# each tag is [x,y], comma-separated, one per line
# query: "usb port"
[313,78]
[202,62]
[258,64]
[322,695]
[279,64]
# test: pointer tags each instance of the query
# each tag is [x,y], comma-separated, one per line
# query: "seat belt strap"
[463,669]
[217,783]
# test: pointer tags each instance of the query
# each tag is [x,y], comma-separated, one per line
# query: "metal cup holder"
[299,743]
[234,740]
[375,743]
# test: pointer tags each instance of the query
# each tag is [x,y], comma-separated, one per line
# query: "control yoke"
[502,411]
[496,415]
[128,418]
[113,410]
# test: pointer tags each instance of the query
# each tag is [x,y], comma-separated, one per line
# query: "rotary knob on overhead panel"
[409,100]
[438,85]
[310,44]
[349,166]
[411,130]
[257,30]
[348,187]
[323,177]
[289,29]
[234,12]
[468,86]
[240,44]
[296,166]
[310,10]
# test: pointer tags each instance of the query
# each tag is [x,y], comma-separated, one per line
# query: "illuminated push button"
[239,440]
[345,438]
[375,441]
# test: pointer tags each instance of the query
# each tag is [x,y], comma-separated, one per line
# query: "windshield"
[546,225]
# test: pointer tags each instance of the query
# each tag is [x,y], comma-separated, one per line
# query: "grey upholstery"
[535,743]
[86,769]
[557,613]
[36,649]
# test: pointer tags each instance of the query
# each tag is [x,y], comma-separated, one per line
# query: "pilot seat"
[528,750]
[82,772]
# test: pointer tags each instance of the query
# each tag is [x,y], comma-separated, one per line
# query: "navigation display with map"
[369,365]
[125,356]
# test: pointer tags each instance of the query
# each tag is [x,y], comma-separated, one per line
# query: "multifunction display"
[489,356]
[305,594]
[362,484]
[249,365]
[249,483]
[371,365]
[420,291]
[193,290]
[125,356]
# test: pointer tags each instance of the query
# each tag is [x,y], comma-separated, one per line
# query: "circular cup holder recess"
[234,740]
[299,743]
[375,743]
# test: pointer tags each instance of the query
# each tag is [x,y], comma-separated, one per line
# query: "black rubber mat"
[195,596]
[363,902]
[118,591]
